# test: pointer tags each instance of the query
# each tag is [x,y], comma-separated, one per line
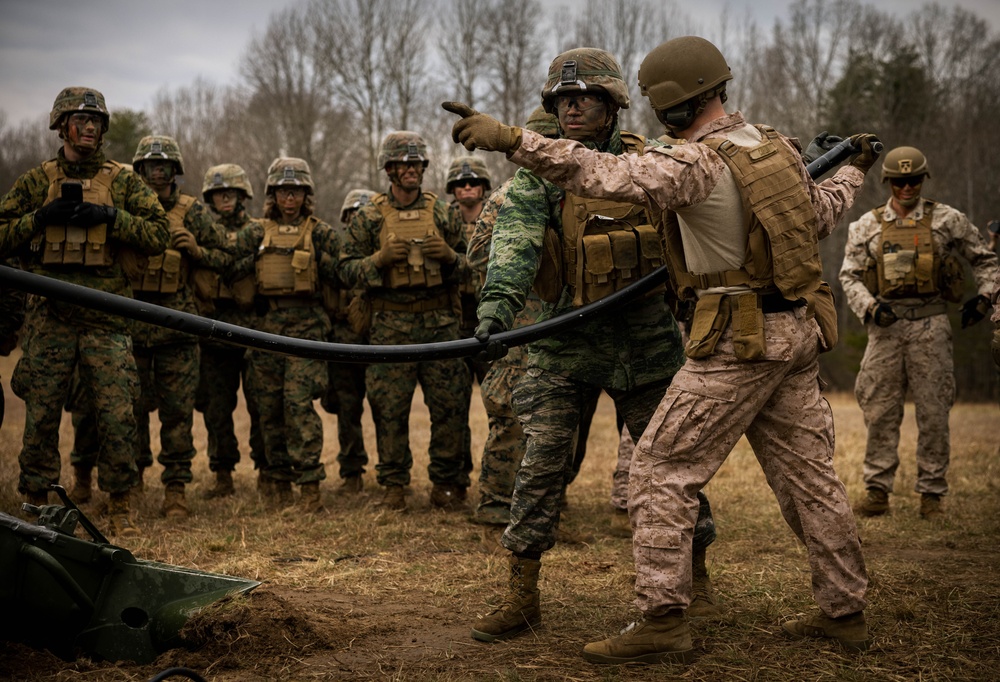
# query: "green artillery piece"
[72,596]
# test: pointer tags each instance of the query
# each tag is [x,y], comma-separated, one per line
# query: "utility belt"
[918,312]
[287,302]
[440,302]
[745,312]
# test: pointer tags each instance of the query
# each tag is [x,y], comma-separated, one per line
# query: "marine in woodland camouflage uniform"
[412,283]
[905,312]
[66,338]
[168,360]
[293,256]
[226,190]
[345,395]
[757,375]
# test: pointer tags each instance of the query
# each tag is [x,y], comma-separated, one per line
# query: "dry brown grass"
[357,593]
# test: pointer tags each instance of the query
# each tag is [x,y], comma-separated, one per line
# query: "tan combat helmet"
[78,99]
[584,69]
[542,122]
[289,171]
[226,176]
[680,76]
[354,200]
[905,162]
[155,148]
[402,145]
[467,168]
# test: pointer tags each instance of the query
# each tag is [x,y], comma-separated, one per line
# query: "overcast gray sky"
[130,49]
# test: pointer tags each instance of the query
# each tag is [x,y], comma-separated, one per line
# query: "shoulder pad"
[633,142]
[379,198]
[431,197]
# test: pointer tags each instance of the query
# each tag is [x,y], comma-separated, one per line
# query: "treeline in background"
[327,79]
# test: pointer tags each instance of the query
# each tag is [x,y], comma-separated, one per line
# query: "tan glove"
[867,157]
[183,240]
[393,251]
[436,247]
[480,131]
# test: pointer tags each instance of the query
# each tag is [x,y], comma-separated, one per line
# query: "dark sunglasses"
[914,181]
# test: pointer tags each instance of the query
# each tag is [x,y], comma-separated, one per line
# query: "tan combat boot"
[930,506]
[352,485]
[519,609]
[851,631]
[223,486]
[279,494]
[702,595]
[661,639]
[448,497]
[309,498]
[621,526]
[174,505]
[82,483]
[393,497]
[120,516]
[876,503]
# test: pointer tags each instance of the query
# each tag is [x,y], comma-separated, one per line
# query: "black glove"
[88,215]
[820,145]
[494,349]
[867,156]
[883,315]
[974,310]
[56,212]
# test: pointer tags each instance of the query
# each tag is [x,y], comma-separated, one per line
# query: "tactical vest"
[286,259]
[71,245]
[782,248]
[906,261]
[208,283]
[410,225]
[605,246]
[166,271]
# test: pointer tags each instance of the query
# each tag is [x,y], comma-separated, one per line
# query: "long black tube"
[844,149]
[317,350]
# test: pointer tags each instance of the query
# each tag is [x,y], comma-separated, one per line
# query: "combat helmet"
[74,99]
[467,168]
[584,69]
[354,200]
[287,170]
[542,122]
[226,176]
[679,71]
[905,162]
[157,147]
[402,145]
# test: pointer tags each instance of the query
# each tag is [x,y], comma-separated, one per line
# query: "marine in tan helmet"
[902,267]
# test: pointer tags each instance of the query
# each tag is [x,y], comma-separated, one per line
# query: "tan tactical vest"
[606,245]
[411,226]
[907,262]
[286,260]
[782,249]
[165,272]
[71,245]
[208,283]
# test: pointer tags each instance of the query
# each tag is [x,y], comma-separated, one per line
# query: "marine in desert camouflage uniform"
[82,242]
[900,269]
[408,255]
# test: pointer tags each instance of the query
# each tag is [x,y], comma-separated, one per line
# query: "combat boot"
[702,595]
[930,506]
[279,494]
[448,497]
[82,483]
[519,609]
[393,497]
[120,516]
[309,498]
[621,526]
[876,503]
[661,639]
[352,485]
[851,631]
[223,486]
[174,505]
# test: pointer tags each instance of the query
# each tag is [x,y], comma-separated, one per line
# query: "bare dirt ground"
[357,593]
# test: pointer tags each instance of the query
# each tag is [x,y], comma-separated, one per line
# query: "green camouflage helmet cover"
[288,170]
[74,99]
[226,176]
[680,69]
[354,200]
[542,122]
[402,145]
[905,162]
[157,147]
[584,69]
[467,168]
